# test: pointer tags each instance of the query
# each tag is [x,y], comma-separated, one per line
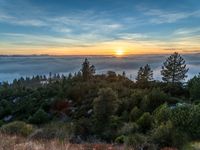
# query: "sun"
[119,52]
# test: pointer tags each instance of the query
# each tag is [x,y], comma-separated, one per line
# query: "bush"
[145,122]
[128,128]
[53,131]
[161,114]
[17,127]
[135,114]
[194,119]
[39,117]
[154,99]
[166,135]
[5,108]
[136,141]
[120,139]
[180,117]
[136,98]
[82,127]
[104,107]
[1,122]
[194,87]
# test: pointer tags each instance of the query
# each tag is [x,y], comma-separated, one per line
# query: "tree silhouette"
[145,74]
[87,70]
[174,69]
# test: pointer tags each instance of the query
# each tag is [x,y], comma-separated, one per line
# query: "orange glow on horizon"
[114,48]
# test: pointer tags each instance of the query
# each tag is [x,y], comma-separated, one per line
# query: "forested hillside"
[111,108]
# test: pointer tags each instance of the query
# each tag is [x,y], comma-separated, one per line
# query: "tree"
[145,122]
[104,106]
[135,114]
[87,70]
[39,117]
[145,74]
[194,87]
[174,69]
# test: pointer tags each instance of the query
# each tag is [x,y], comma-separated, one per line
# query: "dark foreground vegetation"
[84,107]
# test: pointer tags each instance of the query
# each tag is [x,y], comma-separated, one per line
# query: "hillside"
[109,108]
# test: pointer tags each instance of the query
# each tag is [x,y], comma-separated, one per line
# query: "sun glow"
[119,52]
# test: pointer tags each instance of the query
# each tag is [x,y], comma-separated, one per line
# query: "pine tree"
[145,74]
[174,69]
[87,70]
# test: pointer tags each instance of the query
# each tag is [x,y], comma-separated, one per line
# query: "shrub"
[135,114]
[180,117]
[136,141]
[5,108]
[129,128]
[1,122]
[83,127]
[39,117]
[161,114]
[136,98]
[154,99]
[145,122]
[120,139]
[104,107]
[194,120]
[167,135]
[17,127]
[53,131]
[194,87]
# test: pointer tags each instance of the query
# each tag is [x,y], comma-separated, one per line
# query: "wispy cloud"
[187,31]
[158,16]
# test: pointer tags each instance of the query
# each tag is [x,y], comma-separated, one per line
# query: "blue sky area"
[99,26]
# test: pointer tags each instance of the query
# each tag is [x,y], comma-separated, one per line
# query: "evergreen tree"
[174,69]
[124,74]
[194,87]
[87,70]
[145,74]
[104,106]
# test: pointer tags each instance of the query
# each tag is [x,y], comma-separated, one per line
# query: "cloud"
[14,67]
[159,16]
[22,22]
[187,31]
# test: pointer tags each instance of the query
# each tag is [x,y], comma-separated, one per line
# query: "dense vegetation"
[90,107]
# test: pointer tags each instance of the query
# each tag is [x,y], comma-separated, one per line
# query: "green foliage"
[1,122]
[87,70]
[109,107]
[194,119]
[174,69]
[135,114]
[194,87]
[187,119]
[129,128]
[83,127]
[136,141]
[104,107]
[53,130]
[39,117]
[145,122]
[161,114]
[167,136]
[5,108]
[18,128]
[180,117]
[154,99]
[120,139]
[145,74]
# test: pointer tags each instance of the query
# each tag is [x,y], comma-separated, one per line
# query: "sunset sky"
[99,27]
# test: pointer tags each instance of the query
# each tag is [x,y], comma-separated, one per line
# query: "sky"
[99,27]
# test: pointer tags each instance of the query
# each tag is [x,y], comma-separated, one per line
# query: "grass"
[8,142]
